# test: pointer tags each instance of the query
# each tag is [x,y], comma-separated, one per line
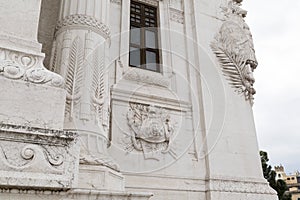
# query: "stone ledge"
[76,194]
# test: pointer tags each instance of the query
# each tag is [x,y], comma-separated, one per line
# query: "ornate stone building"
[130,99]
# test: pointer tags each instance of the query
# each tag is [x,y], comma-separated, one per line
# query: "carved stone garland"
[233,46]
[152,131]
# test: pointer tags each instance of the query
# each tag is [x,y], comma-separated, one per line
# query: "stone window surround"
[142,42]
[165,47]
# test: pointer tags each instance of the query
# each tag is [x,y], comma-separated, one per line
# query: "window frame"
[143,28]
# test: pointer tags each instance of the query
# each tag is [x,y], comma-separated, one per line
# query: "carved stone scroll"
[21,66]
[37,158]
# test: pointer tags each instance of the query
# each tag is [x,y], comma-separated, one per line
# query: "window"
[144,51]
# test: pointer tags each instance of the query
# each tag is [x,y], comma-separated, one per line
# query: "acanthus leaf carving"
[234,49]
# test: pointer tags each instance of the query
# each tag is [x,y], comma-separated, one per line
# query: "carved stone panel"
[152,130]
[38,158]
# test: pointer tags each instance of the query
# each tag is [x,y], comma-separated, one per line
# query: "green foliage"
[269,174]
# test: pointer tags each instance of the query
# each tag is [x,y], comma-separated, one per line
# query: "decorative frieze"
[240,187]
[177,15]
[80,21]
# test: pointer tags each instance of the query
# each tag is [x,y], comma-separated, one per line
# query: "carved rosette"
[152,131]
[21,66]
[233,47]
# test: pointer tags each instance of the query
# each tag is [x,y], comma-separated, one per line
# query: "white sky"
[275,26]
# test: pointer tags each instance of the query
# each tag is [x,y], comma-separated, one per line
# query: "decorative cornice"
[32,132]
[79,21]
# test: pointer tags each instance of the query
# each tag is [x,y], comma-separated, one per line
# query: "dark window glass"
[144,51]
[135,57]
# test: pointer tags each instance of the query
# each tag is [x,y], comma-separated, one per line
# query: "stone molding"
[145,76]
[76,194]
[9,41]
[21,66]
[80,21]
[150,2]
[124,95]
[32,132]
[177,15]
[240,187]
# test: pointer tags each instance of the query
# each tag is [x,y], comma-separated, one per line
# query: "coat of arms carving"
[233,46]
[151,131]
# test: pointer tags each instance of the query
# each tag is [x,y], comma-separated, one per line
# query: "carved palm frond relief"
[98,78]
[75,72]
[232,67]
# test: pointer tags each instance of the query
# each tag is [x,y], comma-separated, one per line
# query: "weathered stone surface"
[28,104]
[78,194]
[37,158]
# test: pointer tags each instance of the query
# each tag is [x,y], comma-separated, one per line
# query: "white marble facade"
[79,123]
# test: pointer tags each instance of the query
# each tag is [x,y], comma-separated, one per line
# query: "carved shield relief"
[152,131]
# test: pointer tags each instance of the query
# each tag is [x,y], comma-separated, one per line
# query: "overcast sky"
[275,26]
